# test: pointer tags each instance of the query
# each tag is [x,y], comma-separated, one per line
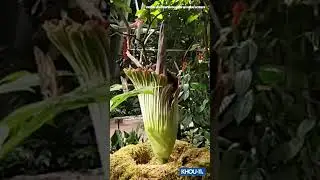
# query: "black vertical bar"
[213,79]
[8,19]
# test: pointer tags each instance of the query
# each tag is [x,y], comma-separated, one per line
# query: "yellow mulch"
[136,162]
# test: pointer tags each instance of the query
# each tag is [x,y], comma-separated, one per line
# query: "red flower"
[237,9]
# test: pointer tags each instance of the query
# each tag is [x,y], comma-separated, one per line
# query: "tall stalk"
[87,49]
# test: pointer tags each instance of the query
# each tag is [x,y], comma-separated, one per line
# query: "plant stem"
[99,113]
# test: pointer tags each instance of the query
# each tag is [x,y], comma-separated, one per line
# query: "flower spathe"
[159,110]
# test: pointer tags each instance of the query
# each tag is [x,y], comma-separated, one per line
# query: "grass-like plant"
[87,49]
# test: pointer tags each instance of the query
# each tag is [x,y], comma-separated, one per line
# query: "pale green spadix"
[159,110]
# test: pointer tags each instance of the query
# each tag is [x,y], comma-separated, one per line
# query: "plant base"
[138,162]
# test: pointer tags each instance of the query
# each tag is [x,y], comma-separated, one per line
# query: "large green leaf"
[247,53]
[19,81]
[243,81]
[4,133]
[241,53]
[27,119]
[14,76]
[270,75]
[23,81]
[305,126]
[243,106]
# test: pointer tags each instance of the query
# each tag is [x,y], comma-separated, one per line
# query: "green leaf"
[194,47]
[145,1]
[117,139]
[156,3]
[142,13]
[28,127]
[242,52]
[14,76]
[116,87]
[23,81]
[17,117]
[186,92]
[286,151]
[226,102]
[243,81]
[305,126]
[193,18]
[27,119]
[243,107]
[224,52]
[122,5]
[52,123]
[186,78]
[203,105]
[126,135]
[247,52]
[253,52]
[156,13]
[118,99]
[198,86]
[270,75]
[20,81]
[4,133]
[64,73]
